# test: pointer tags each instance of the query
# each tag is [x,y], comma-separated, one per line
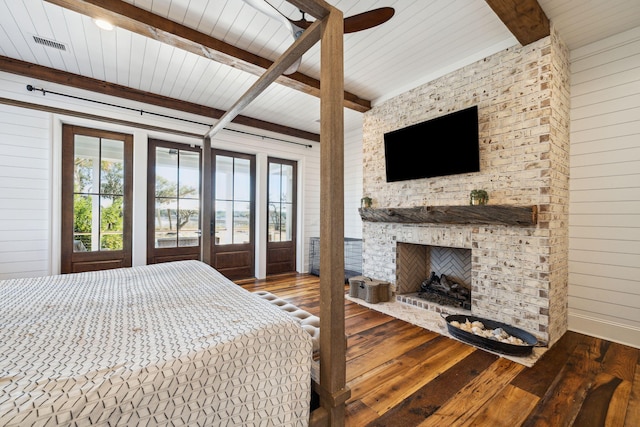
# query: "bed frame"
[328,28]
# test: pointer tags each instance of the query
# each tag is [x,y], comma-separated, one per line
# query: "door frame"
[93,260]
[291,245]
[251,266]
[155,255]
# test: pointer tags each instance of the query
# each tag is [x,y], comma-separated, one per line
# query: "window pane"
[286,219]
[287,183]
[274,222]
[242,180]
[275,170]
[165,239]
[112,167]
[224,224]
[280,222]
[111,222]
[82,222]
[189,222]
[166,172]
[189,178]
[241,216]
[165,223]
[86,155]
[224,178]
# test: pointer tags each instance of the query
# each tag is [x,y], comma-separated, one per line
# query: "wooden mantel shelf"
[522,216]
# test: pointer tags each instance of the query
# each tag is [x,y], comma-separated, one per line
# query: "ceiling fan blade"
[271,12]
[295,30]
[293,68]
[302,23]
[366,20]
[359,22]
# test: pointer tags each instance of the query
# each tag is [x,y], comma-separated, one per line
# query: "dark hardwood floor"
[402,375]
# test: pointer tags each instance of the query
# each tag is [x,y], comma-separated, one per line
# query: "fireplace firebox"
[424,273]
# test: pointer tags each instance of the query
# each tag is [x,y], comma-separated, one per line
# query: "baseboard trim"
[599,328]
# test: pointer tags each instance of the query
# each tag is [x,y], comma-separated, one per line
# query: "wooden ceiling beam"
[308,38]
[143,22]
[41,73]
[524,18]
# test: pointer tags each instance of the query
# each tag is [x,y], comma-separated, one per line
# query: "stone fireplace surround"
[509,272]
[519,273]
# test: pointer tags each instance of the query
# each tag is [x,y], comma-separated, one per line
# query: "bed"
[174,343]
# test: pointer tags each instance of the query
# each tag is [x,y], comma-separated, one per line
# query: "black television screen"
[446,145]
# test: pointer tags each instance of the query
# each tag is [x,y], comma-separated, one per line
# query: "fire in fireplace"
[445,291]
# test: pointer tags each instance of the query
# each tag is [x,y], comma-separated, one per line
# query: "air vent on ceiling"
[50,43]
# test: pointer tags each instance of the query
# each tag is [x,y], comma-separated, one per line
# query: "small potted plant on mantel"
[478,197]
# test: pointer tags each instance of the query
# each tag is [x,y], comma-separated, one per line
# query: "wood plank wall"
[352,183]
[24,192]
[604,222]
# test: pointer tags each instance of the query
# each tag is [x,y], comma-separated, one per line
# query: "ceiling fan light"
[101,23]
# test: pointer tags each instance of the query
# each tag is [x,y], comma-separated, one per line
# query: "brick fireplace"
[518,272]
[509,268]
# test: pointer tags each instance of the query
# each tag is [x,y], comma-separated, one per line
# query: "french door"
[233,246]
[281,211]
[173,202]
[96,198]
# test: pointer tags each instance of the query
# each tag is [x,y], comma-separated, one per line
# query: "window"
[177,198]
[232,200]
[280,202]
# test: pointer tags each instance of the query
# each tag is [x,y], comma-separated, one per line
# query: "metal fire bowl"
[489,344]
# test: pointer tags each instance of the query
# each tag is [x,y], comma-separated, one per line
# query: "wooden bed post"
[329,28]
[207,204]
[333,391]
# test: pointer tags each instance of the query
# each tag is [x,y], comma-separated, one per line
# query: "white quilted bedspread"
[166,344]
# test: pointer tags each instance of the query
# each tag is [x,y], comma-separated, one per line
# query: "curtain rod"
[31,88]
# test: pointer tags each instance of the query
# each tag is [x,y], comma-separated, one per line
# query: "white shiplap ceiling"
[423,40]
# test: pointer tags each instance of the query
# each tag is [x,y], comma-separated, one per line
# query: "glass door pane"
[280,202]
[177,198]
[98,195]
[232,200]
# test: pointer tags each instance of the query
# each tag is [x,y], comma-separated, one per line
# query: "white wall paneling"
[604,220]
[24,192]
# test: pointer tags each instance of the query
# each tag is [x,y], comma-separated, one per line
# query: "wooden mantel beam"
[513,215]
[524,18]
[143,22]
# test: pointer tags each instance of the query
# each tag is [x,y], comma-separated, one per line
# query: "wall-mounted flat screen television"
[446,145]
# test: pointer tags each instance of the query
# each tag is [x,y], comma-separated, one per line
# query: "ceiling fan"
[359,22]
